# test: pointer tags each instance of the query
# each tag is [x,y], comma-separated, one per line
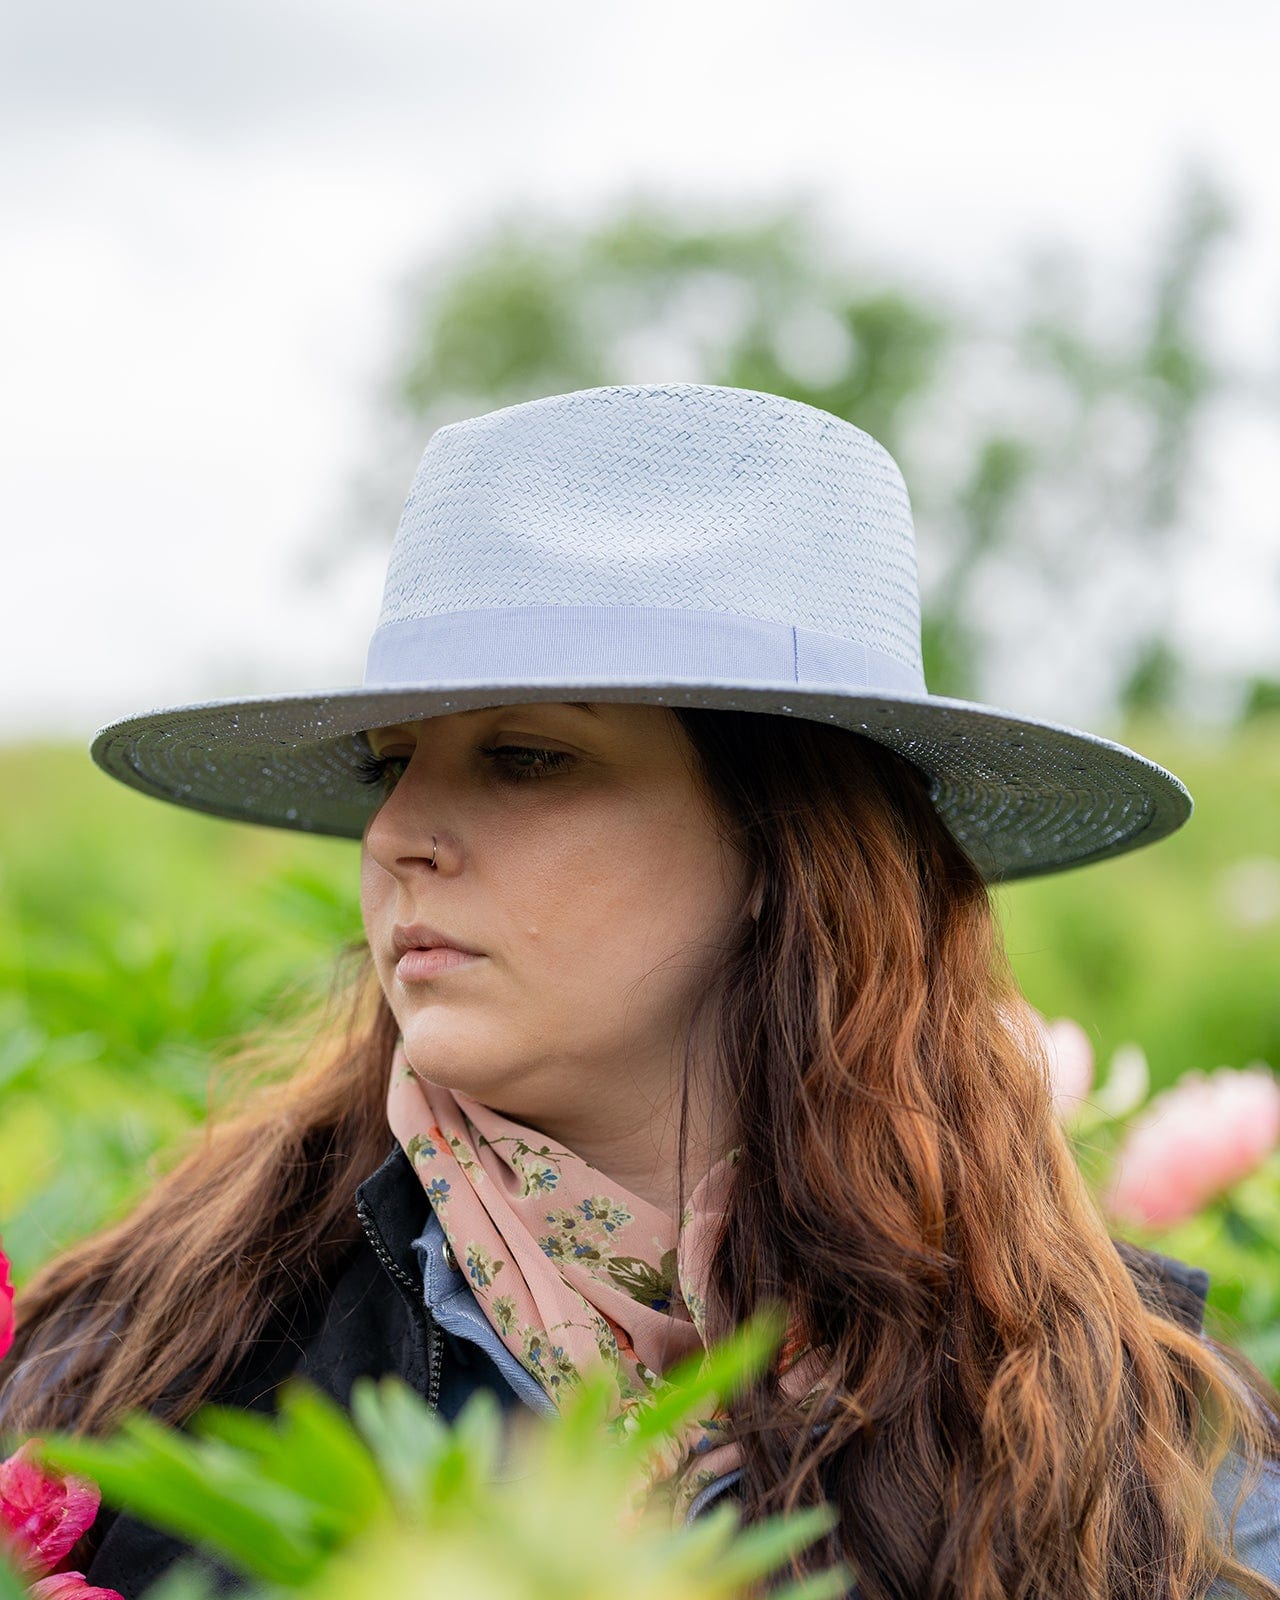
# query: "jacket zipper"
[413,1294]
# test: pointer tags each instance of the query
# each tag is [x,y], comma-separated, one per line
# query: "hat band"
[649,644]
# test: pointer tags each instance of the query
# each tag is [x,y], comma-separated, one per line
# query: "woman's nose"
[406,829]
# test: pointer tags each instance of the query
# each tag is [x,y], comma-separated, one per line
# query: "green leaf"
[644,1283]
[702,1380]
[202,1493]
[187,1581]
[11,1586]
[248,1431]
[477,1433]
[700,1545]
[585,1411]
[406,1437]
[833,1584]
[450,1482]
[321,1456]
[765,1545]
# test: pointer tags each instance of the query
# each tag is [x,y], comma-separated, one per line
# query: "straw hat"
[683,544]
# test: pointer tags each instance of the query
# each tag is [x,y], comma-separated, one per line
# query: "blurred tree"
[1262,698]
[1048,446]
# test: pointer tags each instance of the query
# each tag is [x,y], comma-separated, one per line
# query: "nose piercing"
[432,862]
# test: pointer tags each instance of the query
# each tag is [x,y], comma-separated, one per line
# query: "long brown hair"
[1008,1418]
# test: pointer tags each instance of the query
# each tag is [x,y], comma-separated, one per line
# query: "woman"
[683,992]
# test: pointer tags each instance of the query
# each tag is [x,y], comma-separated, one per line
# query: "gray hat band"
[650,644]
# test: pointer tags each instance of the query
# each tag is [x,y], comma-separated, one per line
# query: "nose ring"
[432,862]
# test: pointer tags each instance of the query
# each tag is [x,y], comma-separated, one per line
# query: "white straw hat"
[683,544]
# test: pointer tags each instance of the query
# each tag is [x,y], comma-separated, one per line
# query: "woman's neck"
[639,1152]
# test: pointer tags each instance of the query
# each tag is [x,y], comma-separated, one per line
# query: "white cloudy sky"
[208,211]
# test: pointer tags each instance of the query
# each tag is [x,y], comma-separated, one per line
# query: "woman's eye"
[521,762]
[373,769]
[517,762]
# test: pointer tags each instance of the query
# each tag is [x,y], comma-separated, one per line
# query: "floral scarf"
[570,1268]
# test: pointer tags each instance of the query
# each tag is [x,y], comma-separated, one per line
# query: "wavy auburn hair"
[1009,1418]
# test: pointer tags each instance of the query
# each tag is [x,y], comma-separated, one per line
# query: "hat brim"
[1024,797]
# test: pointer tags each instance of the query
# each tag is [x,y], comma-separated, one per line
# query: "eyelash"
[372,769]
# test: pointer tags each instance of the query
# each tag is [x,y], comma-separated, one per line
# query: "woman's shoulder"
[1257,1525]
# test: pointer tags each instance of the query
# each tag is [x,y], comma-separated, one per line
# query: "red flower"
[42,1514]
[6,1306]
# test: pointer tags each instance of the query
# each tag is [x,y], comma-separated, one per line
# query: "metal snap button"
[450,1260]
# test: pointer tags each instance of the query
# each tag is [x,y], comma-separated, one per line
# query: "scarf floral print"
[570,1268]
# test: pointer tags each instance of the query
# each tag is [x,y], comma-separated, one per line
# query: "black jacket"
[374,1321]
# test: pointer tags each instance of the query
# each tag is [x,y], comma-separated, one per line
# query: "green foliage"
[1261,698]
[1235,1240]
[137,943]
[316,1503]
[528,308]
[1174,948]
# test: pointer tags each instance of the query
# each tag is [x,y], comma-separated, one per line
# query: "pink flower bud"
[1193,1141]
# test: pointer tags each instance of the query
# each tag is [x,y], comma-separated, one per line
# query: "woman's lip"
[414,965]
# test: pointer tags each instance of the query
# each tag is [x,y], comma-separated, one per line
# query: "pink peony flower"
[6,1306]
[70,1586]
[1193,1141]
[42,1514]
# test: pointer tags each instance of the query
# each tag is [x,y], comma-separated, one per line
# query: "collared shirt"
[453,1305]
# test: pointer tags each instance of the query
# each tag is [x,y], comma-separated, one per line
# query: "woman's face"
[578,854]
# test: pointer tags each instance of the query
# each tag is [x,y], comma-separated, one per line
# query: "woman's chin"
[430,1053]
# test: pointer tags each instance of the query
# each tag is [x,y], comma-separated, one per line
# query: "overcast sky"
[208,211]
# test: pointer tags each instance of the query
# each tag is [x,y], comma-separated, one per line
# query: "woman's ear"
[756,901]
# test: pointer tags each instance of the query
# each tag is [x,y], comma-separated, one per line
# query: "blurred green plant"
[138,943]
[391,1499]
[1174,948]
[1235,1239]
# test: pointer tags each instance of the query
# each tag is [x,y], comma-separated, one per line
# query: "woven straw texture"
[686,495]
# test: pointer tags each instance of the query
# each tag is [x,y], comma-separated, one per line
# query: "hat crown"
[685,497]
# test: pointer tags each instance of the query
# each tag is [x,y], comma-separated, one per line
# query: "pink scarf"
[570,1268]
